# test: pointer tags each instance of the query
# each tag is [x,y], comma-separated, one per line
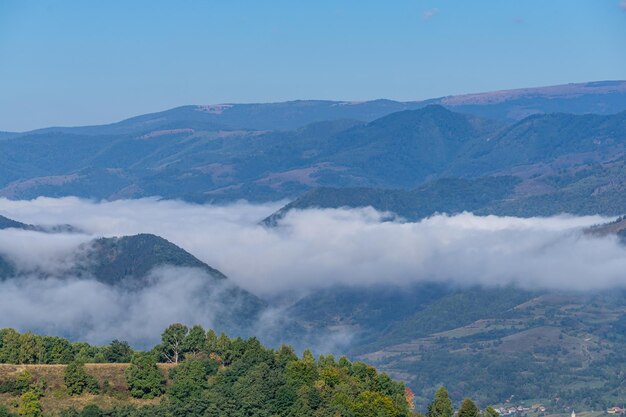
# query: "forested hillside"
[565,349]
[207,375]
[560,162]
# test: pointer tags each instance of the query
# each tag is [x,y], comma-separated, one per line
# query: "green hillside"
[556,157]
[212,376]
[488,343]
[111,260]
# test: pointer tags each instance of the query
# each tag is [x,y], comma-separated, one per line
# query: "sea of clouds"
[309,250]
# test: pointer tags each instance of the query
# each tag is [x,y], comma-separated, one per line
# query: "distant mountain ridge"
[6,223]
[600,97]
[563,162]
[448,195]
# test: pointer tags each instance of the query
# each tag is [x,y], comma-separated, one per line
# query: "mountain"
[288,115]
[6,269]
[224,153]
[559,348]
[562,140]
[601,97]
[449,195]
[584,189]
[7,135]
[405,148]
[6,223]
[208,165]
[128,262]
[616,227]
[112,260]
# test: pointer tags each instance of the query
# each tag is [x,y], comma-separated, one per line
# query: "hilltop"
[211,376]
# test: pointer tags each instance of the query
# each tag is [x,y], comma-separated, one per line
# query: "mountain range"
[530,152]
[426,334]
[267,152]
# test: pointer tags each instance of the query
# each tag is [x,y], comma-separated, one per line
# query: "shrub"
[144,377]
[77,380]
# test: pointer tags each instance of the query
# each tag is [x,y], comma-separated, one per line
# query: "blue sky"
[85,62]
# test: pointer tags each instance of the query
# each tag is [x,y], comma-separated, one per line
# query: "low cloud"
[84,309]
[310,250]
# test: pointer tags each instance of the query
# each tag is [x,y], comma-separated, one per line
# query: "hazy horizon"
[75,63]
[129,116]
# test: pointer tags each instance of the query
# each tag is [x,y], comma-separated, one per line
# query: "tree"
[374,404]
[196,340]
[223,345]
[9,346]
[29,405]
[441,405]
[31,349]
[302,372]
[118,352]
[57,350]
[91,410]
[211,341]
[468,409]
[144,377]
[4,412]
[77,380]
[23,381]
[189,381]
[491,412]
[173,339]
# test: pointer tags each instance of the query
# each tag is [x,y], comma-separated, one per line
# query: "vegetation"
[562,350]
[77,380]
[210,376]
[143,376]
[564,162]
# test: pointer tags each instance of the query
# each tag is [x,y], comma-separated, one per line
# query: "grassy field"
[56,397]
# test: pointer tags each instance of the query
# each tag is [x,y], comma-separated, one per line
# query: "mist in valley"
[310,250]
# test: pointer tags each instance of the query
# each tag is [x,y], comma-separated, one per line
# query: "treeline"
[30,349]
[214,376]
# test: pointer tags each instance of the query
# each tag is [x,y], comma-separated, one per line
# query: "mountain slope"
[111,260]
[491,342]
[602,97]
[405,148]
[448,195]
[256,116]
[6,223]
[195,160]
[562,139]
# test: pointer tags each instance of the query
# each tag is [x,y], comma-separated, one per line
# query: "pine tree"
[77,380]
[468,409]
[441,405]
[144,377]
[491,412]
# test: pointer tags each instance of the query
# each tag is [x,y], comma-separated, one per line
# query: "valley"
[390,164]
